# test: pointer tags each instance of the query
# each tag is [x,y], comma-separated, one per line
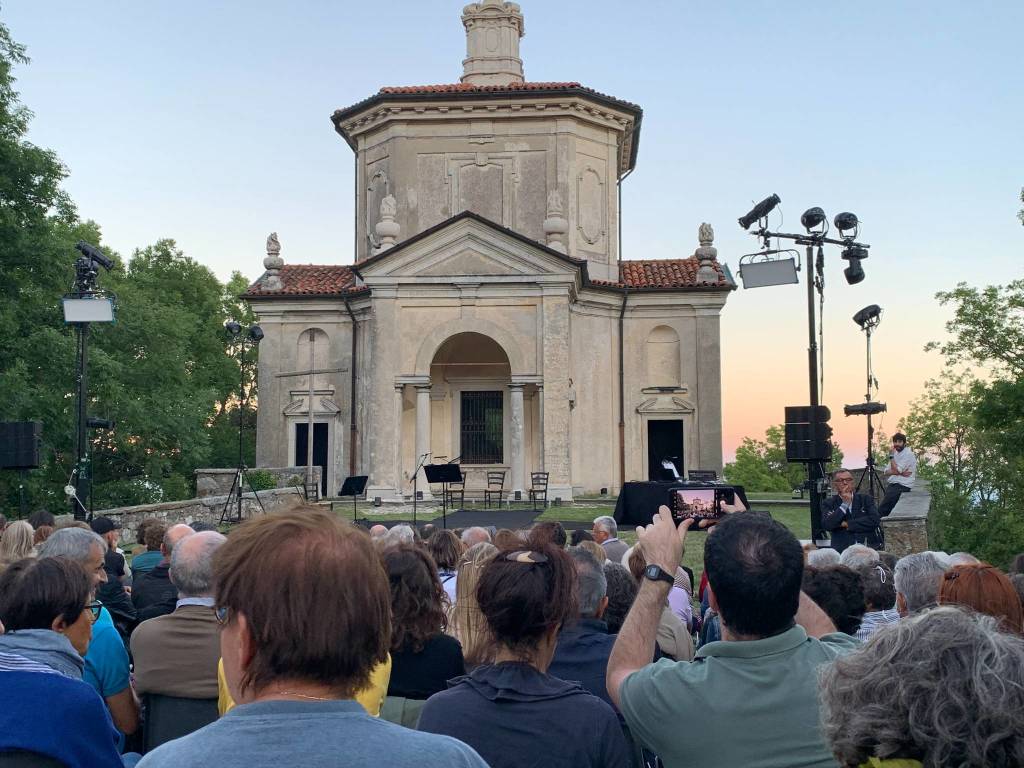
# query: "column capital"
[415,381]
[516,387]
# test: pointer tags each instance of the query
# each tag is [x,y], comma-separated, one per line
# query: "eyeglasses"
[221,612]
[94,609]
[843,480]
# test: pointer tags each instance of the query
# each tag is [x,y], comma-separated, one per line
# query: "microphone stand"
[415,483]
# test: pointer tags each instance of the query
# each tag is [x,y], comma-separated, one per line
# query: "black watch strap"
[657,573]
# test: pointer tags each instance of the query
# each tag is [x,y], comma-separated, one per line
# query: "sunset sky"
[209,123]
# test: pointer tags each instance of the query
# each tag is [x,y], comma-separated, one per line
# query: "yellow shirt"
[371,697]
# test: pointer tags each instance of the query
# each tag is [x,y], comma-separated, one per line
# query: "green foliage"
[261,479]
[761,465]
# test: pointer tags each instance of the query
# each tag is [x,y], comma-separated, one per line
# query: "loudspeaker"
[19,444]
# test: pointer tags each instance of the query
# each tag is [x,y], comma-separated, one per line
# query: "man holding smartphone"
[902,472]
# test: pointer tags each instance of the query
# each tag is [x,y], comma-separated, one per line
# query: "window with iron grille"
[481,427]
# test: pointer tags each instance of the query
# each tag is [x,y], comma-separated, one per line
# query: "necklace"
[304,696]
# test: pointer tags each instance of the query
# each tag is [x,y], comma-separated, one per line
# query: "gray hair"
[475,535]
[822,558]
[963,558]
[918,578]
[591,583]
[396,536]
[73,543]
[192,563]
[945,687]
[858,556]
[607,523]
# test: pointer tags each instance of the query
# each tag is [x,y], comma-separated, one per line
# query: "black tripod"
[875,484]
[253,336]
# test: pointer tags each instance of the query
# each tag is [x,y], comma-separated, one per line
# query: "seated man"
[305,610]
[750,699]
[606,533]
[177,654]
[918,578]
[151,536]
[850,517]
[153,593]
[111,592]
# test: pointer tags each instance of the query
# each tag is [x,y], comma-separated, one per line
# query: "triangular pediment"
[467,248]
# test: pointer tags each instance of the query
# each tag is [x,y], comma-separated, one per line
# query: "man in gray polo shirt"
[751,699]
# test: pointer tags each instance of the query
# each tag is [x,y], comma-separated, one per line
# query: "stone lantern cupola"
[493,29]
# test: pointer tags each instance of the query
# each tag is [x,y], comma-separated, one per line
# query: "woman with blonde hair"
[467,624]
[16,543]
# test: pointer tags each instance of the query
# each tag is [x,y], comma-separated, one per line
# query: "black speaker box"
[19,444]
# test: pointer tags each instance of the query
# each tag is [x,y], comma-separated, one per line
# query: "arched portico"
[431,344]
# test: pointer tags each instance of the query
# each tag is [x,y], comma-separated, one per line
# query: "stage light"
[233,327]
[96,423]
[813,217]
[870,408]
[91,309]
[256,333]
[759,211]
[845,222]
[868,315]
[93,253]
[854,273]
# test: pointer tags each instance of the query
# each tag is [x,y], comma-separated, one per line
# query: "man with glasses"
[851,517]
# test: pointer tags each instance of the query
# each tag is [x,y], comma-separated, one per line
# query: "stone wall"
[906,529]
[218,482]
[207,509]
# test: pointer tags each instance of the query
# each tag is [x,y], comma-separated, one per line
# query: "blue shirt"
[146,561]
[313,734]
[106,663]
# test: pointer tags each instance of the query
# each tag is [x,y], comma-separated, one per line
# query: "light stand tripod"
[252,336]
[415,485]
[869,319]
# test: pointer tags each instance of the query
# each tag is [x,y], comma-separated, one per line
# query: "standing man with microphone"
[901,472]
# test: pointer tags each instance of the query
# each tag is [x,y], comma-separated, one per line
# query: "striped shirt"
[874,621]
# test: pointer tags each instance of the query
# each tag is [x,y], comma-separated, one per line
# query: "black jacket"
[863,522]
[153,594]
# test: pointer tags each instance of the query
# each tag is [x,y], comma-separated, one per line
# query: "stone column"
[709,393]
[399,396]
[556,396]
[517,463]
[422,434]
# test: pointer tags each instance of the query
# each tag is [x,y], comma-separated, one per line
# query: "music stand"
[444,474]
[354,486]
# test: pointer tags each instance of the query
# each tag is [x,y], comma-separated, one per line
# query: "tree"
[761,465]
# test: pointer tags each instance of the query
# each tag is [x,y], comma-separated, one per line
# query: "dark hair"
[548,532]
[622,589]
[34,592]
[417,597]
[888,559]
[522,600]
[879,587]
[1017,564]
[41,534]
[754,565]
[899,436]
[153,536]
[839,592]
[42,517]
[315,597]
[506,539]
[446,549]
[579,535]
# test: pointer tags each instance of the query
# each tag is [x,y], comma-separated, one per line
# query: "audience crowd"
[299,639]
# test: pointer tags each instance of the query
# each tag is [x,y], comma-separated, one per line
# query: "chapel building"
[489,317]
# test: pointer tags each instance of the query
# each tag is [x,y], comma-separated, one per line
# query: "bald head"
[192,563]
[174,534]
[377,531]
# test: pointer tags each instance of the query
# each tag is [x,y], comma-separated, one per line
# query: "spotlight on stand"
[813,218]
[854,254]
[870,316]
[847,222]
[233,327]
[759,211]
[256,333]
[865,409]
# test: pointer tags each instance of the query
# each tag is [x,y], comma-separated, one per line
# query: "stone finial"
[273,263]
[493,29]
[387,228]
[706,254]
[555,224]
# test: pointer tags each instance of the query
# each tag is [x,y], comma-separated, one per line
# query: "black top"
[421,675]
[153,594]
[862,521]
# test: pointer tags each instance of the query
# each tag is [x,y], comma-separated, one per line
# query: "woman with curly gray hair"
[942,688]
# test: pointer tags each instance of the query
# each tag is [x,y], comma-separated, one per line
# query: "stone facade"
[487,269]
[906,528]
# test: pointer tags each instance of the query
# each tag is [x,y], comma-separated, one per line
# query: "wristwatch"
[657,573]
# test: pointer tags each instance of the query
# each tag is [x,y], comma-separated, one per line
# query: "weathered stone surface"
[906,529]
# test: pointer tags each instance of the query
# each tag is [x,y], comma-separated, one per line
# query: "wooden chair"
[456,489]
[539,487]
[495,487]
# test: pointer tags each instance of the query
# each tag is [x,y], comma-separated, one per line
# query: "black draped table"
[638,501]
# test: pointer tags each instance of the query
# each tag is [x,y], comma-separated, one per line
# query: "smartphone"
[699,503]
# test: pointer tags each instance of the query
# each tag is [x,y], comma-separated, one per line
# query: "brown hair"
[417,597]
[548,532]
[153,535]
[35,592]
[315,597]
[595,549]
[522,599]
[41,534]
[446,549]
[637,563]
[505,539]
[987,590]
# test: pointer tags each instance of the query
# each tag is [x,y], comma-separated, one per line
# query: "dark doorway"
[319,450]
[664,441]
[480,432]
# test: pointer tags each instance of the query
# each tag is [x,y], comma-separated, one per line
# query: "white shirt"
[905,460]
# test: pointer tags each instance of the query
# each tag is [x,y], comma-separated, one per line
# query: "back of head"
[548,532]
[192,563]
[468,623]
[505,539]
[16,542]
[622,589]
[607,524]
[417,597]
[172,536]
[315,597]
[944,687]
[1017,564]
[474,535]
[524,594]
[595,549]
[963,558]
[1017,579]
[822,558]
[858,556]
[396,536]
[579,535]
[917,578]
[985,589]
[35,592]
[153,537]
[42,517]
[591,583]
[446,549]
[839,592]
[755,566]
[73,543]
[879,587]
[42,533]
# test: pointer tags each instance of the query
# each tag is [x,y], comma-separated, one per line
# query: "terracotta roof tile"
[443,88]
[310,280]
[667,273]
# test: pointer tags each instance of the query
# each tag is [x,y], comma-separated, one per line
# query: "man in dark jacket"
[153,593]
[851,517]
